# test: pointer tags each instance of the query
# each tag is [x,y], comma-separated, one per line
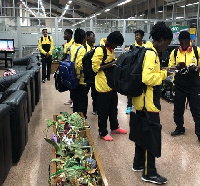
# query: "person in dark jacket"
[186,83]
[152,77]
[45,45]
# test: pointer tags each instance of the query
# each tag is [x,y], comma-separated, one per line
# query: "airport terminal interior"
[22,22]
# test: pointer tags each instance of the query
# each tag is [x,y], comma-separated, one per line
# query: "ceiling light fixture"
[107,10]
[127,1]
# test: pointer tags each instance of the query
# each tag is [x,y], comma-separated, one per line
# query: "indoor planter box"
[83,133]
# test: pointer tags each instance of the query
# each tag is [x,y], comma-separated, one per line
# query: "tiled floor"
[180,160]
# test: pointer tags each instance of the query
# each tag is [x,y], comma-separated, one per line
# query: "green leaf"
[52,142]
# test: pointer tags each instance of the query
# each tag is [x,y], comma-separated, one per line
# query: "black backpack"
[89,74]
[128,72]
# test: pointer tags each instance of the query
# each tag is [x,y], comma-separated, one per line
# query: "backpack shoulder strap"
[49,38]
[196,54]
[104,53]
[175,53]
[77,53]
[41,38]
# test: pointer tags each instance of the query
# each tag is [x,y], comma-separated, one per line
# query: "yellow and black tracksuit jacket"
[67,45]
[190,82]
[100,79]
[152,77]
[139,45]
[78,62]
[45,45]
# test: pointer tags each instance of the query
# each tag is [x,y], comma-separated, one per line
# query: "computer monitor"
[7,46]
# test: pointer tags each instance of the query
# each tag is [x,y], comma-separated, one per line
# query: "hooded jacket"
[100,79]
[152,77]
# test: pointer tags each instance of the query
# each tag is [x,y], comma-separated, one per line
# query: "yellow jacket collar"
[150,45]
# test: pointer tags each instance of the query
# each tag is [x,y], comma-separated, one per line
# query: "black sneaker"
[138,169]
[154,179]
[178,132]
[43,81]
[48,79]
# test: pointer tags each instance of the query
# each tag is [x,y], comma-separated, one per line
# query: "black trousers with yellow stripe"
[144,157]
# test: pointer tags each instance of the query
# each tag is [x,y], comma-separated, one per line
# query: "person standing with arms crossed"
[45,45]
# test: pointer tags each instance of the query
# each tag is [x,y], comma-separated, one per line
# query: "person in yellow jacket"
[186,83]
[139,34]
[107,98]
[90,46]
[152,77]
[68,36]
[80,93]
[45,45]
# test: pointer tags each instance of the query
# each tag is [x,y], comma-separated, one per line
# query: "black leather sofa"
[18,96]
[5,142]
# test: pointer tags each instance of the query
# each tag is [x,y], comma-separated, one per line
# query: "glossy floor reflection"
[179,161]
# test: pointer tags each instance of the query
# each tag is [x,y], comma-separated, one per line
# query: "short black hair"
[161,31]
[184,35]
[88,33]
[141,32]
[44,29]
[115,38]
[79,35]
[69,31]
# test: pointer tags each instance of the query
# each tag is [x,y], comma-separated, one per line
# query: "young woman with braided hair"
[152,77]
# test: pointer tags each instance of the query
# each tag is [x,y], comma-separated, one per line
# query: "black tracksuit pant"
[179,108]
[93,95]
[129,101]
[46,66]
[107,107]
[144,157]
[79,96]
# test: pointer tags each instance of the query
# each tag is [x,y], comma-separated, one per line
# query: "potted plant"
[57,55]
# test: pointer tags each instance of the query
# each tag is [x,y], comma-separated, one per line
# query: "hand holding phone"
[180,65]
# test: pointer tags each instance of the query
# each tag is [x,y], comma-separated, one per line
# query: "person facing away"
[45,45]
[107,98]
[90,46]
[139,34]
[80,93]
[152,77]
[68,36]
[187,84]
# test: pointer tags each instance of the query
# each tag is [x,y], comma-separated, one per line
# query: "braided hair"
[115,38]
[79,36]
[161,31]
